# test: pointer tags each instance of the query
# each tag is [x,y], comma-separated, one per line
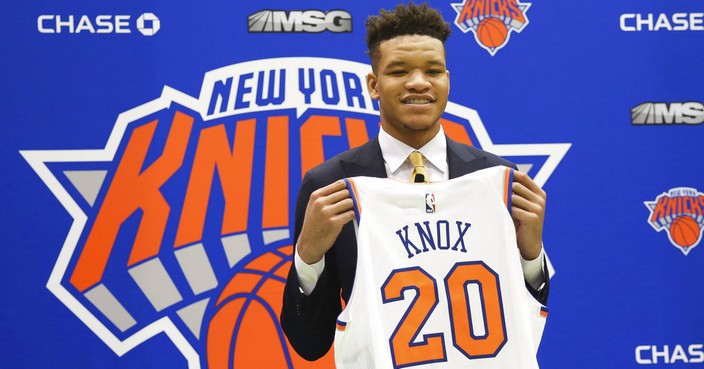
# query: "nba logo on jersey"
[429,203]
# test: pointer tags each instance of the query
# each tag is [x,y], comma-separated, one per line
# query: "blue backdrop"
[126,232]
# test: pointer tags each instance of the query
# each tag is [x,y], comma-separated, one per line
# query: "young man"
[410,80]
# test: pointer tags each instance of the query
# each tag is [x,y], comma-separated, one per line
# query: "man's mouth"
[417,101]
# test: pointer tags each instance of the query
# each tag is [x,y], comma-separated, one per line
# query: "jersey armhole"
[508,187]
[351,186]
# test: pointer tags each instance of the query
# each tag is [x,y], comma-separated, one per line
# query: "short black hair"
[408,19]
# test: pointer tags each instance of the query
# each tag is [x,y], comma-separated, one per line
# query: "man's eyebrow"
[401,63]
[397,63]
[435,62]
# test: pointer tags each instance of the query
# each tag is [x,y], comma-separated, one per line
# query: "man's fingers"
[338,196]
[328,195]
[324,218]
[331,188]
[345,217]
[526,181]
[520,202]
[341,207]
[522,215]
[526,189]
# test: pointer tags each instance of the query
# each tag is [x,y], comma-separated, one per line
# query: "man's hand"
[328,210]
[528,212]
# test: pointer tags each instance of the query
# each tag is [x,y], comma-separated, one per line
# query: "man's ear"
[372,86]
[448,81]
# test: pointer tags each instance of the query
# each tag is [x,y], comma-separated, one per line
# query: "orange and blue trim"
[353,194]
[543,311]
[508,187]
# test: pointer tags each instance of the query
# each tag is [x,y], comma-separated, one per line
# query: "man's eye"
[398,72]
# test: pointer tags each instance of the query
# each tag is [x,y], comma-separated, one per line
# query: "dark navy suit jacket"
[309,321]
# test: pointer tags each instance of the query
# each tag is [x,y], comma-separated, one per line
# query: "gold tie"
[418,175]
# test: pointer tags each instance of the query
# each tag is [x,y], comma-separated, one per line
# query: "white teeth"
[417,101]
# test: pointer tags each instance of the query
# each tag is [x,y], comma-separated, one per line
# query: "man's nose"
[418,81]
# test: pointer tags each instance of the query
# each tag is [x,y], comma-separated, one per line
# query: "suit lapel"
[365,161]
[461,161]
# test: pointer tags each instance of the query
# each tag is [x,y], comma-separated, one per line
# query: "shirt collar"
[396,152]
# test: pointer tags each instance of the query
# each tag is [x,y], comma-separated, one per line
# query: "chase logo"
[298,21]
[680,213]
[670,354]
[429,202]
[181,223]
[147,24]
[491,21]
[677,22]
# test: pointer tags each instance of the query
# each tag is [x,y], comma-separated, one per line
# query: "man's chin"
[421,126]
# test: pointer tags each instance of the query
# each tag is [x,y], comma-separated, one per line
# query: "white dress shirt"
[397,166]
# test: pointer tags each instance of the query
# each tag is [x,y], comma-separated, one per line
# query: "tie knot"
[416,159]
[418,174]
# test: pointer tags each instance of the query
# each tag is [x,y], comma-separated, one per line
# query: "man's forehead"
[411,51]
[408,40]
[393,62]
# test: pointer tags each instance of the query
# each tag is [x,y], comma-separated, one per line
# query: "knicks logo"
[491,21]
[680,213]
[182,222]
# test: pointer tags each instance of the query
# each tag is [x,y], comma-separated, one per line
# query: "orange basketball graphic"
[684,231]
[244,331]
[492,32]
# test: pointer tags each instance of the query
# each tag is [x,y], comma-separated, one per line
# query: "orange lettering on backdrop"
[466,12]
[356,132]
[672,206]
[456,132]
[500,8]
[275,207]
[480,8]
[234,167]
[685,204]
[132,189]
[659,211]
[695,206]
[514,12]
[312,133]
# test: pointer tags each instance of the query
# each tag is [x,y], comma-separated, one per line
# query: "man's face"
[411,83]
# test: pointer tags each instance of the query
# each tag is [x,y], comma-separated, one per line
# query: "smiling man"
[410,80]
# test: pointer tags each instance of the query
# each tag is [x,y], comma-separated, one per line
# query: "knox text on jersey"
[442,235]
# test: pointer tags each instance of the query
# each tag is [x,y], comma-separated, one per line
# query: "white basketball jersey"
[438,282]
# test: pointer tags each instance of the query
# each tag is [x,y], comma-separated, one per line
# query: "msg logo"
[297,21]
[662,113]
